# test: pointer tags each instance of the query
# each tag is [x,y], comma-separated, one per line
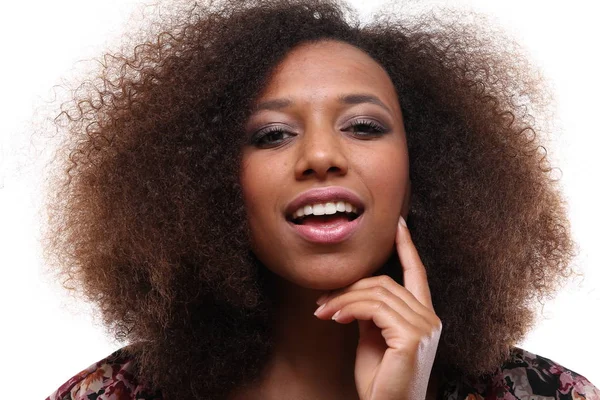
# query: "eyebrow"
[275,105]
[351,99]
[359,98]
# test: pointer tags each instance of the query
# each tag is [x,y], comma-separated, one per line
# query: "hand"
[399,330]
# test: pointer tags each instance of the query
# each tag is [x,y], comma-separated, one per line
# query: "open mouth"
[326,219]
[328,215]
[327,229]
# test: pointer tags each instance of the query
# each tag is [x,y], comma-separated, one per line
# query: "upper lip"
[324,195]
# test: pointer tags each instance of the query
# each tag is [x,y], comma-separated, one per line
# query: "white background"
[46,338]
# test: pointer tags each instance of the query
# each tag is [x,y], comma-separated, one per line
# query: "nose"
[321,154]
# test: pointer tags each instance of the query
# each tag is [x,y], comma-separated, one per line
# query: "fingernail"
[322,299]
[319,309]
[334,317]
[402,221]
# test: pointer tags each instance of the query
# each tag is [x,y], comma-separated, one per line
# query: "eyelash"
[374,130]
[257,140]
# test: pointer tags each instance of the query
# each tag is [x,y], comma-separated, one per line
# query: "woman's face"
[325,134]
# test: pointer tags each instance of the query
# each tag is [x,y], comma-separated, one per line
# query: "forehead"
[316,69]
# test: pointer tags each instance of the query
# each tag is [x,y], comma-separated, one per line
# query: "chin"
[329,276]
[325,271]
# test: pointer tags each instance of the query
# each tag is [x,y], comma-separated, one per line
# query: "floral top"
[525,376]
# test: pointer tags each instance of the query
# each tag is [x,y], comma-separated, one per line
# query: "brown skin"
[318,147]
[147,218]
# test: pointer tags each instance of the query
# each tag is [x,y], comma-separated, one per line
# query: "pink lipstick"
[325,215]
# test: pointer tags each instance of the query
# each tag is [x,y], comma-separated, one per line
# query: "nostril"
[330,170]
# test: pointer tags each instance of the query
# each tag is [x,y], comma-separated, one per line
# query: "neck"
[319,355]
[311,358]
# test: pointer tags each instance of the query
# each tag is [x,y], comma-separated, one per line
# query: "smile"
[325,215]
[327,229]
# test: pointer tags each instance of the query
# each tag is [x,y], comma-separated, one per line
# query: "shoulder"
[529,376]
[112,378]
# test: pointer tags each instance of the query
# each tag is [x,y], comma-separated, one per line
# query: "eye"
[365,128]
[270,137]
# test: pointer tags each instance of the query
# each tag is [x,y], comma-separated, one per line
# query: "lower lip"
[331,235]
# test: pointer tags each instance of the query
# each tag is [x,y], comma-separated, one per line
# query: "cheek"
[260,187]
[254,184]
[263,180]
[387,182]
[253,188]
[387,179]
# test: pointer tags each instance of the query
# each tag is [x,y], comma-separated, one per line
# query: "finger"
[380,281]
[381,294]
[415,276]
[395,329]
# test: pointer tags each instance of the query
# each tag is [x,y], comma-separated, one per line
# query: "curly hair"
[147,219]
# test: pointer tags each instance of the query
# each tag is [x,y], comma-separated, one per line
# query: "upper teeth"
[324,209]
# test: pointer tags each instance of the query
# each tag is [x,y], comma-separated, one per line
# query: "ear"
[406,201]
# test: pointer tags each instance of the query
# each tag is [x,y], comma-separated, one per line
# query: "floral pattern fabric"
[112,378]
[525,376]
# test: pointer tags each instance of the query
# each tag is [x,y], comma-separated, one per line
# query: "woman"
[261,169]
